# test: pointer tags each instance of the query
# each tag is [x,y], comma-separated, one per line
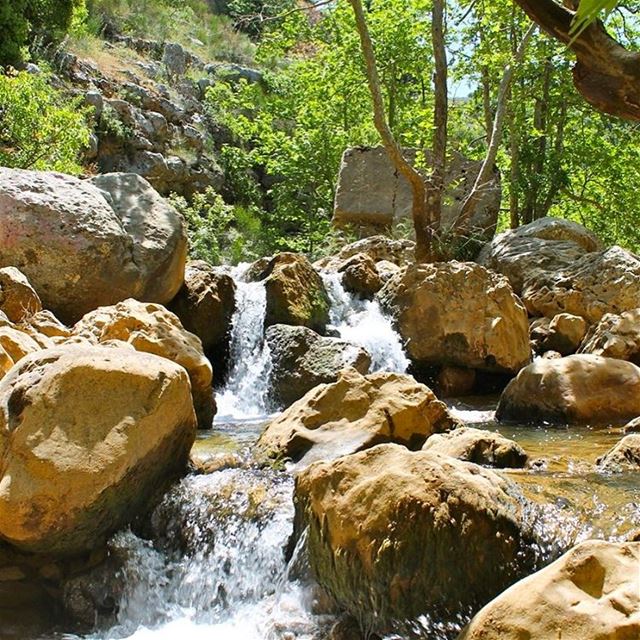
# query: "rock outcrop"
[460,314]
[301,359]
[355,413]
[295,292]
[486,448]
[87,437]
[578,388]
[591,593]
[393,534]
[82,248]
[151,328]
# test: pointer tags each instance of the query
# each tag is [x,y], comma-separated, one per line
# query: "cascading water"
[245,395]
[362,322]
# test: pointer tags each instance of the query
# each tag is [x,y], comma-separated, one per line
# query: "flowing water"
[213,564]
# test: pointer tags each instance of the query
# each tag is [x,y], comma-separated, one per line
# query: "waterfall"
[245,394]
[362,322]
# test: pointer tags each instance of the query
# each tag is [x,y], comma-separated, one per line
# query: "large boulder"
[355,413]
[82,247]
[301,359]
[371,192]
[547,244]
[625,455]
[486,448]
[615,336]
[578,388]
[393,534]
[458,313]
[151,328]
[295,292]
[591,593]
[18,299]
[205,305]
[88,435]
[591,286]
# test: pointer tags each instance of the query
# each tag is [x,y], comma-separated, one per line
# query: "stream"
[213,567]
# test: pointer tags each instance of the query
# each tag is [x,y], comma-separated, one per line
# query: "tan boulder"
[595,284]
[625,455]
[17,344]
[151,328]
[46,324]
[295,292]
[393,534]
[378,248]
[458,313]
[615,336]
[486,448]
[578,388]
[88,437]
[591,593]
[360,275]
[18,299]
[355,413]
[633,426]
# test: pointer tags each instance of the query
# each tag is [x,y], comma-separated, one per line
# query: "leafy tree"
[40,128]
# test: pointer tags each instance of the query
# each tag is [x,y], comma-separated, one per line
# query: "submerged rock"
[578,388]
[355,413]
[460,314]
[151,328]
[393,534]
[591,593]
[82,245]
[625,455]
[486,448]
[88,435]
[301,359]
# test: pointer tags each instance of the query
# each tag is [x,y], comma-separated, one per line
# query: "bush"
[40,128]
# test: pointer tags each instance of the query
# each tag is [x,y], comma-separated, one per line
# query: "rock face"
[394,534]
[18,299]
[486,448]
[355,413]
[295,293]
[205,305]
[371,193]
[615,336]
[548,244]
[87,436]
[591,593]
[151,328]
[81,248]
[301,359]
[598,283]
[578,388]
[625,455]
[460,314]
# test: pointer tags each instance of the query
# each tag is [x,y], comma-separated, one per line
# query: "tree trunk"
[484,177]
[423,230]
[606,74]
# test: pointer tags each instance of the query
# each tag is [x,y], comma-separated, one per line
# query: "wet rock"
[393,534]
[360,276]
[355,413]
[205,305]
[460,314]
[633,426]
[591,593]
[295,293]
[18,299]
[301,359]
[615,336]
[486,448]
[81,247]
[625,455]
[585,286]
[548,244]
[153,329]
[111,426]
[578,388]
[455,381]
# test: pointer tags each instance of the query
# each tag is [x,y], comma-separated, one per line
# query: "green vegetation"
[40,128]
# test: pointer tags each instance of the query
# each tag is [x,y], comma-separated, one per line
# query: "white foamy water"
[362,322]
